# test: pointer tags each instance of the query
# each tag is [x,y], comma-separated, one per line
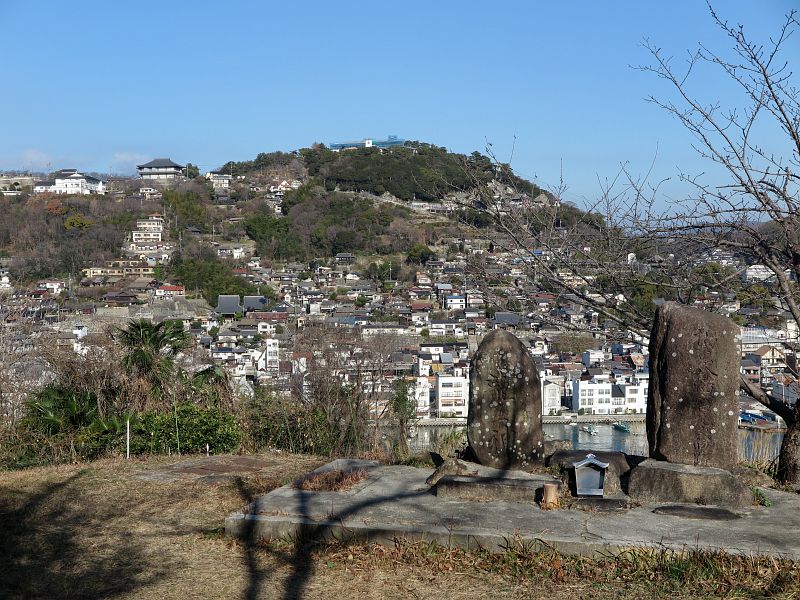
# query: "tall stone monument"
[504,423]
[692,404]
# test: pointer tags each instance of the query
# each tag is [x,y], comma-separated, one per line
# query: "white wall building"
[452,394]
[70,181]
[272,355]
[219,181]
[145,237]
[422,397]
[151,223]
[160,169]
[596,397]
[552,389]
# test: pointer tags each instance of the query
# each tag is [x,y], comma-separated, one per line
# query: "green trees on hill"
[210,276]
[190,207]
[418,171]
[320,223]
[274,237]
[264,161]
[420,254]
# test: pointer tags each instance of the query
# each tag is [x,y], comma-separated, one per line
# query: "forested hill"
[417,171]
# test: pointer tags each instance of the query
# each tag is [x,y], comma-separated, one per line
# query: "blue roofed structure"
[390,142]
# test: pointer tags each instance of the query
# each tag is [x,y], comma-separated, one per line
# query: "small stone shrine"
[504,423]
[692,405]
[590,476]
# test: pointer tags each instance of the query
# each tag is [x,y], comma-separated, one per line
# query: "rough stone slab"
[660,481]
[553,446]
[484,489]
[504,421]
[394,503]
[692,402]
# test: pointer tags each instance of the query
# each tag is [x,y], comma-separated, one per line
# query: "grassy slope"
[91,531]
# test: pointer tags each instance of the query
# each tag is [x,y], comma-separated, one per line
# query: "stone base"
[616,475]
[492,489]
[553,446]
[660,481]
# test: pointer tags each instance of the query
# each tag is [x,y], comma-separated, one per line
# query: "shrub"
[275,422]
[188,428]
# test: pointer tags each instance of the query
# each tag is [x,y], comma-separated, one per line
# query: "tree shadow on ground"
[44,556]
[307,538]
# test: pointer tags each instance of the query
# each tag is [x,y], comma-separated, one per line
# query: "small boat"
[621,426]
[574,423]
[591,429]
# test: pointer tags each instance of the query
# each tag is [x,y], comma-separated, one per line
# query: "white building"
[447,328]
[758,273]
[219,181]
[145,237]
[552,389]
[604,397]
[151,223]
[452,394]
[70,181]
[422,397]
[272,355]
[170,291]
[592,357]
[160,169]
[455,302]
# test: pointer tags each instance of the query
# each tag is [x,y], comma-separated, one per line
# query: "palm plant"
[58,409]
[150,350]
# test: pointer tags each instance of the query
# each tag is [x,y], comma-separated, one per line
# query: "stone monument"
[692,404]
[504,423]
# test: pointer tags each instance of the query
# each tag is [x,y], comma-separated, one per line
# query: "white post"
[128,440]
[207,449]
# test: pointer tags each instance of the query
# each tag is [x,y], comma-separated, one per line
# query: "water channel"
[754,445]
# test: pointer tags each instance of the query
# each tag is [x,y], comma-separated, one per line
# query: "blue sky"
[104,85]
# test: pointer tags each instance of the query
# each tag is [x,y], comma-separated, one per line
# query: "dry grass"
[330,481]
[95,530]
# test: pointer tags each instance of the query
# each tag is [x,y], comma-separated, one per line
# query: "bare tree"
[755,146]
[348,377]
[628,247]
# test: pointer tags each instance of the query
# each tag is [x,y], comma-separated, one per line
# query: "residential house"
[220,181]
[161,169]
[170,291]
[452,394]
[70,181]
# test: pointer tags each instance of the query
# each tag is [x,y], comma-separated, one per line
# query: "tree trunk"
[789,457]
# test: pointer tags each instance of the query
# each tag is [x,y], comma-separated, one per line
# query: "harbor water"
[755,446]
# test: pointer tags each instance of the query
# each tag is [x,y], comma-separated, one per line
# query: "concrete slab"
[394,502]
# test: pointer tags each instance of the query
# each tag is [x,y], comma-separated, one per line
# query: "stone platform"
[393,502]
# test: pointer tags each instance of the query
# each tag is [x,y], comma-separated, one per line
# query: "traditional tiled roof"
[159,163]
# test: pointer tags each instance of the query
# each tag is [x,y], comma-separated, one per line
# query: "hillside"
[416,171]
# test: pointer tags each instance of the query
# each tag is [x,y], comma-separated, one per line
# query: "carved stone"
[504,423]
[692,405]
